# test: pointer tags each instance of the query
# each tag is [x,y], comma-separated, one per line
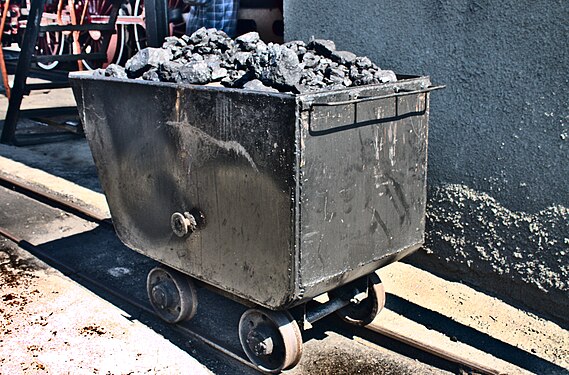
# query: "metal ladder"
[21,88]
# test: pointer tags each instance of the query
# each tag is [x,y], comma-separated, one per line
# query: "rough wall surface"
[499,133]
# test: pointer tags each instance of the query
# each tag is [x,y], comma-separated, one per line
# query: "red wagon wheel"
[48,43]
[177,26]
[92,41]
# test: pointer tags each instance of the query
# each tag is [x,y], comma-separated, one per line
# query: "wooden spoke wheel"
[271,339]
[172,294]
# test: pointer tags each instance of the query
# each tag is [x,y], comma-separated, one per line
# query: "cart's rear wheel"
[271,339]
[172,295]
[366,310]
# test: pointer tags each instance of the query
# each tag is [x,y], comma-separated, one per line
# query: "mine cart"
[270,198]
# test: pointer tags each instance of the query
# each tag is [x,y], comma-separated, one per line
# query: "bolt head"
[179,224]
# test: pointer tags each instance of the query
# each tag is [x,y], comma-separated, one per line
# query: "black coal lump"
[237,78]
[385,76]
[298,46]
[279,68]
[256,85]
[196,72]
[363,62]
[198,36]
[114,70]
[151,75]
[145,59]
[248,42]
[343,57]
[310,60]
[209,55]
[322,47]
[241,59]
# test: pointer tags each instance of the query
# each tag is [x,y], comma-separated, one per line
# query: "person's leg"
[222,15]
[196,18]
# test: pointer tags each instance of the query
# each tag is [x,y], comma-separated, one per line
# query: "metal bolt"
[182,224]
[358,298]
[161,295]
[260,344]
[265,347]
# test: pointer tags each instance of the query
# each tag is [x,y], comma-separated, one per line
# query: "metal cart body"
[295,195]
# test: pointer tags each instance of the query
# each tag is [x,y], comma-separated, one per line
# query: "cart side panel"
[363,185]
[161,149]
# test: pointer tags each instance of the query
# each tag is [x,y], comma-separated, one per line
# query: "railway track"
[391,340]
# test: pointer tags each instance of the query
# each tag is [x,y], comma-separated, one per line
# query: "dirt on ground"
[49,325]
[463,315]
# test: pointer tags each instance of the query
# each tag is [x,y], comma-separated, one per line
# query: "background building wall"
[499,134]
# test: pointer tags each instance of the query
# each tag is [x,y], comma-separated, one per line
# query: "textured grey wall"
[499,135]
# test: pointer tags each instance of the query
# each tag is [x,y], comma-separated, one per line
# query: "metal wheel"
[366,310]
[177,27]
[91,41]
[172,295]
[271,340]
[50,43]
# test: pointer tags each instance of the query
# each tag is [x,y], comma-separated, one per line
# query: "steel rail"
[38,251]
[60,203]
[448,356]
[82,211]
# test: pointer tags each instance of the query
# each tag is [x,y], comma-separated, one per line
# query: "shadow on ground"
[98,254]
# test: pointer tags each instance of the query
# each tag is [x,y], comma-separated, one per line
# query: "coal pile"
[209,55]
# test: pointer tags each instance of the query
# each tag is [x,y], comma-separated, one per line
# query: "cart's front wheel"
[172,295]
[271,340]
[363,312]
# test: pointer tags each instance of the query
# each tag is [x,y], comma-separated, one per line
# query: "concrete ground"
[55,321]
[102,336]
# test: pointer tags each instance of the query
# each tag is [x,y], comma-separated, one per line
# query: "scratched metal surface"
[363,183]
[297,199]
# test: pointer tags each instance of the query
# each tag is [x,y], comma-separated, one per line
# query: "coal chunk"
[212,61]
[209,55]
[324,64]
[257,85]
[363,62]
[220,40]
[145,59]
[241,59]
[322,47]
[310,60]
[114,70]
[385,76]
[278,68]
[343,57]
[172,41]
[298,47]
[360,78]
[198,36]
[185,38]
[237,78]
[151,75]
[218,73]
[248,42]
[196,72]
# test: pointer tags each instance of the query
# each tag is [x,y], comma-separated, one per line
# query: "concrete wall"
[499,135]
